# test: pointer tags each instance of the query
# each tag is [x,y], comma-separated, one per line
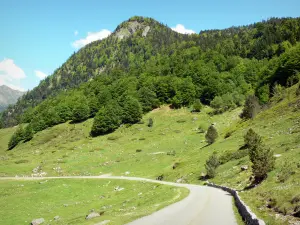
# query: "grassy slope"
[70,148]
[72,200]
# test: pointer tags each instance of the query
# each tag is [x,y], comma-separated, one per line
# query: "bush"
[298,90]
[107,119]
[211,135]
[81,112]
[28,133]
[252,139]
[132,111]
[150,122]
[285,172]
[197,106]
[251,108]
[261,157]
[211,165]
[16,138]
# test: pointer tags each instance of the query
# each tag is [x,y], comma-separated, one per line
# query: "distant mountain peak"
[8,96]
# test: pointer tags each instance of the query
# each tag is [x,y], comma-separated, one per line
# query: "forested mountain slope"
[148,61]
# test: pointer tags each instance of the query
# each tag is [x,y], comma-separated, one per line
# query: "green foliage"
[285,172]
[148,99]
[251,108]
[263,94]
[150,122]
[252,139]
[81,112]
[278,92]
[211,135]
[298,90]
[108,119]
[211,165]
[197,106]
[132,111]
[261,156]
[262,160]
[28,133]
[16,138]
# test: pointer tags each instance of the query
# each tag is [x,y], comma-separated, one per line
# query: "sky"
[38,36]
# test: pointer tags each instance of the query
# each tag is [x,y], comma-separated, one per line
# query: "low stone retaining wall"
[249,217]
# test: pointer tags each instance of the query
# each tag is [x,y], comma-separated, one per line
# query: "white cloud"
[92,36]
[40,74]
[11,74]
[181,29]
[76,32]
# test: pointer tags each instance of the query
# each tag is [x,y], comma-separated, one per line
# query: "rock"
[56,218]
[243,168]
[37,221]
[119,188]
[92,215]
[37,169]
[127,173]
[161,177]
[277,155]
[66,205]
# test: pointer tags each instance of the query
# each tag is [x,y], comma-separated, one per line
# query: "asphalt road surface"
[203,206]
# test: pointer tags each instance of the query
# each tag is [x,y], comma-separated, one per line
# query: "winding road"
[203,206]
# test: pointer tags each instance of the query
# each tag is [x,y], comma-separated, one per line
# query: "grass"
[72,200]
[67,149]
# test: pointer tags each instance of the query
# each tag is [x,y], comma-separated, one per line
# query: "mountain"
[8,96]
[234,61]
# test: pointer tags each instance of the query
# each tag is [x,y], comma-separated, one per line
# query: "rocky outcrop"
[248,216]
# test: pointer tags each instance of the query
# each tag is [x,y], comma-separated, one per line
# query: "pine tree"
[211,165]
[251,107]
[211,135]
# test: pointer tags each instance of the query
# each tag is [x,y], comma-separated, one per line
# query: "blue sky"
[37,36]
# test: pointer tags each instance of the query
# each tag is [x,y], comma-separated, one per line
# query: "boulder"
[92,215]
[37,221]
[243,168]
[103,222]
[56,218]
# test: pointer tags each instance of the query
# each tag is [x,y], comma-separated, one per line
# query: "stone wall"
[248,216]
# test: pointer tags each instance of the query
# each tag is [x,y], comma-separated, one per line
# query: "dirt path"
[203,206]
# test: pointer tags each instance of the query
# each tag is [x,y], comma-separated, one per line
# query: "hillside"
[174,147]
[245,58]
[8,97]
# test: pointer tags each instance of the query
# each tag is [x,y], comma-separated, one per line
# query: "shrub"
[132,111]
[211,165]
[285,172]
[251,108]
[278,92]
[150,122]
[197,106]
[298,90]
[211,135]
[261,157]
[28,133]
[107,119]
[16,138]
[252,139]
[81,112]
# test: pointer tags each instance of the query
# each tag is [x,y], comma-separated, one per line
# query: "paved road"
[203,206]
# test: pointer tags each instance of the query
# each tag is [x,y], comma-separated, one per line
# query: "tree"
[251,107]
[261,157]
[81,112]
[197,106]
[262,160]
[148,99]
[211,134]
[150,122]
[298,90]
[16,138]
[28,133]
[252,139]
[108,119]
[211,165]
[132,111]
